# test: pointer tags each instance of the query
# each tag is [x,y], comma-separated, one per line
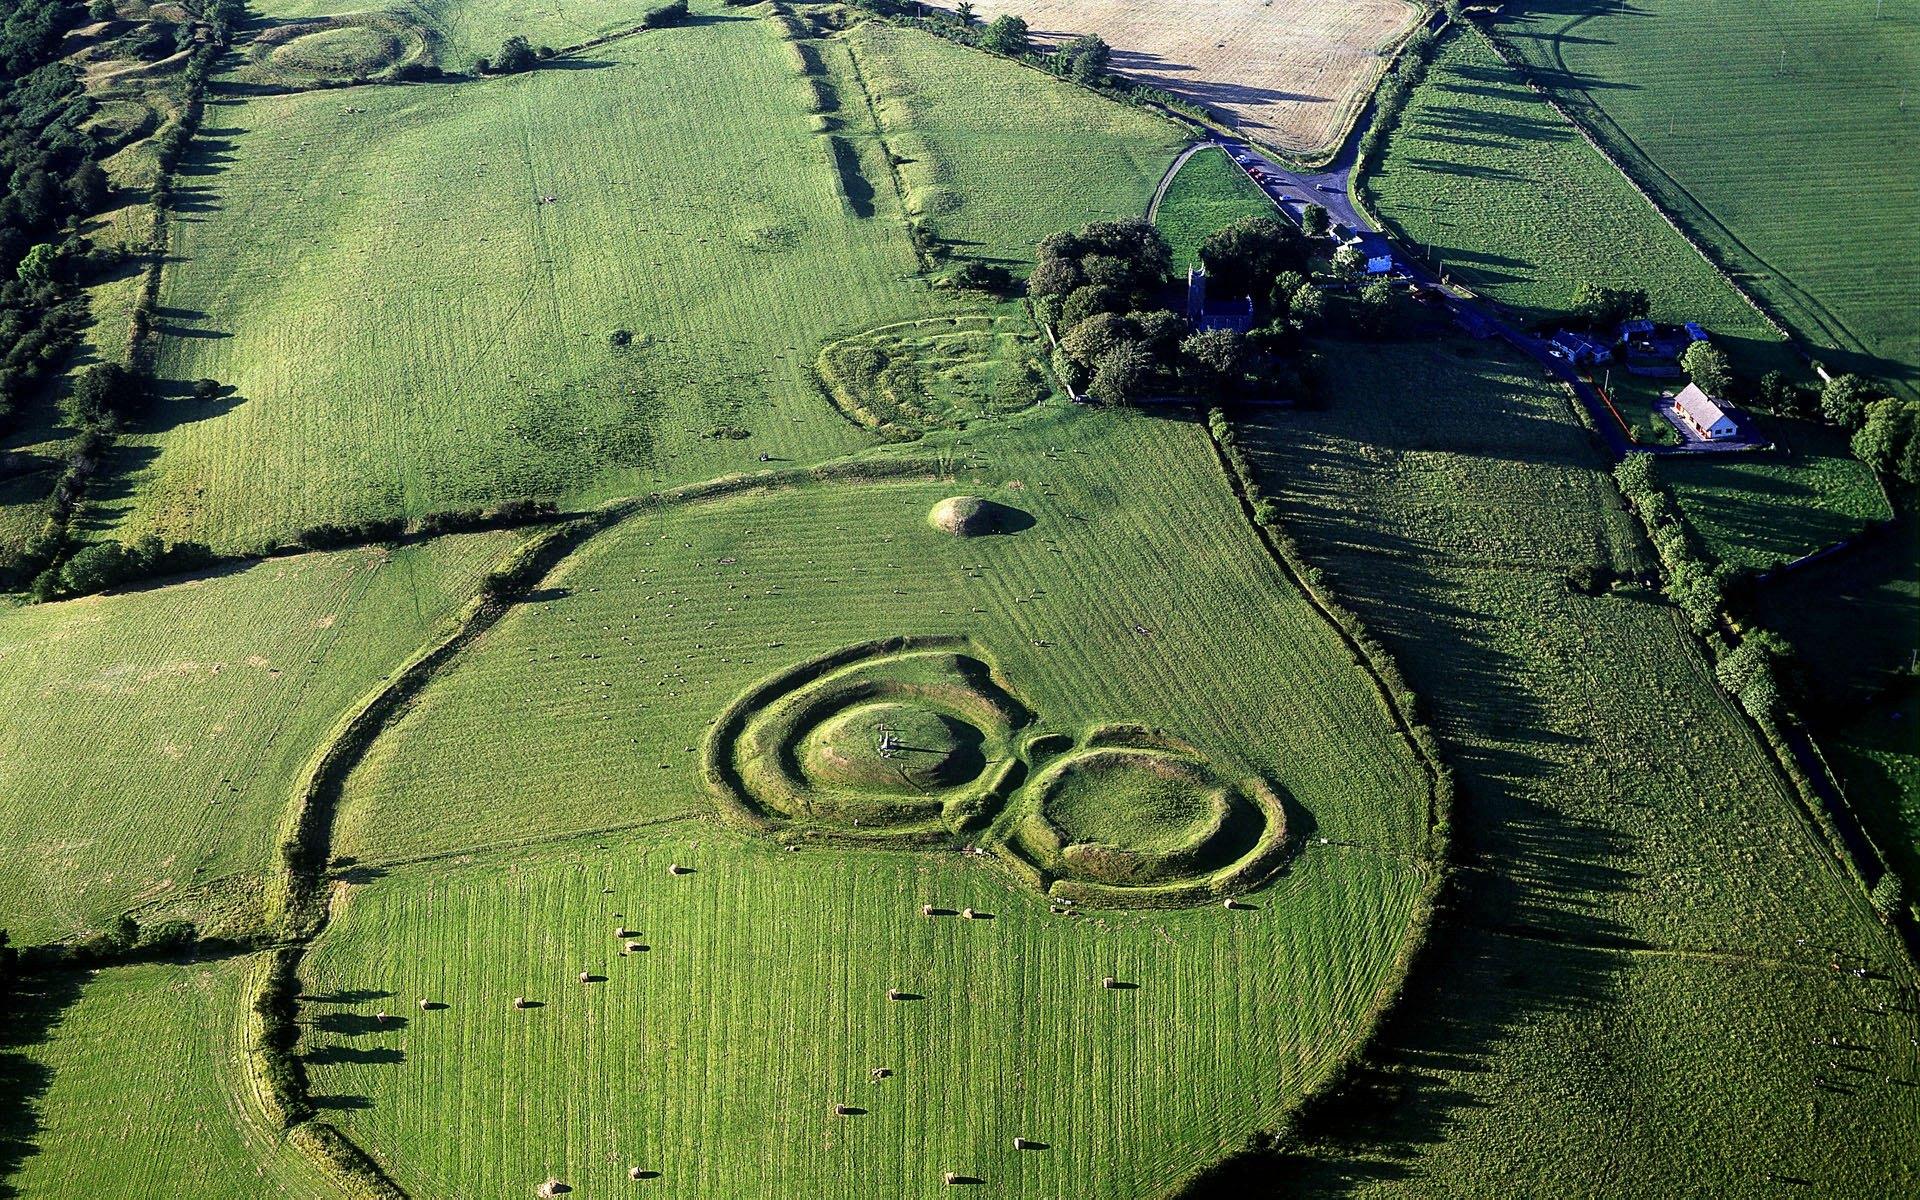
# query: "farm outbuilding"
[1580,349]
[1703,414]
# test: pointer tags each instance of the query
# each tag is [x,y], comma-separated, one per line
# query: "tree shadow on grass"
[30,1017]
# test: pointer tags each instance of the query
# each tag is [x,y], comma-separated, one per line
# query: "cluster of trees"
[47,158]
[1695,585]
[1102,291]
[515,55]
[1603,307]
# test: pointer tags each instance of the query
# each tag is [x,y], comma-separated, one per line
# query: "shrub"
[516,55]
[667,14]
[1888,896]
[1121,375]
[982,277]
[1005,34]
[1844,400]
[1708,367]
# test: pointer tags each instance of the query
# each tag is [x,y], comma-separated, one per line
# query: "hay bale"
[624,932]
[893,993]
[973,516]
[633,1172]
[1228,903]
[519,1001]
[951,1177]
[882,1072]
[676,869]
[843,1110]
[550,1189]
[926,910]
[1021,1143]
[967,913]
[1109,982]
[586,977]
[633,947]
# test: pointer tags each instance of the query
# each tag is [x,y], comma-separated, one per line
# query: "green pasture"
[1485,178]
[1876,753]
[939,372]
[1851,618]
[1135,595]
[131,1082]
[394,349]
[1783,136]
[153,737]
[1761,509]
[462,30]
[995,156]
[716,1056]
[640,639]
[1209,192]
[1647,933]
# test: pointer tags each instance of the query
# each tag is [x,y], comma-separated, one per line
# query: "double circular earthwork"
[920,741]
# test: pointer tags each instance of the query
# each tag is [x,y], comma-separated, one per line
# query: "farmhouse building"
[1703,414]
[1581,350]
[1205,313]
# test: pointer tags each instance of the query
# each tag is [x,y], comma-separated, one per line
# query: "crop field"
[1289,75]
[1644,902]
[197,703]
[1548,211]
[616,677]
[1761,509]
[995,156]
[489,365]
[1791,157]
[128,1082]
[1208,193]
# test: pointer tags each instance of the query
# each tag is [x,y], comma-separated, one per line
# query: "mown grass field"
[152,738]
[995,156]
[393,351]
[130,1082]
[1791,157]
[1547,211]
[1210,192]
[1291,76]
[1759,510]
[1129,578]
[715,1057]
[1646,927]
[462,30]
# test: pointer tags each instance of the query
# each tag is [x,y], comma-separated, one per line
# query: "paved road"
[1329,188]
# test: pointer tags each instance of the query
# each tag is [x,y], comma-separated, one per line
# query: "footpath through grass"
[1484,176]
[1640,977]
[1782,135]
[152,738]
[1210,192]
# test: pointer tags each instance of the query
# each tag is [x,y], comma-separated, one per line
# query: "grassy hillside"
[1758,510]
[1210,192]
[1782,135]
[1138,594]
[993,155]
[1647,927]
[464,29]
[1547,211]
[152,738]
[394,350]
[129,1082]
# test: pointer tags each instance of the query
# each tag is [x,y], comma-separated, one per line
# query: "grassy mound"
[1144,823]
[942,372]
[975,516]
[891,747]
[330,51]
[1138,800]
[801,753]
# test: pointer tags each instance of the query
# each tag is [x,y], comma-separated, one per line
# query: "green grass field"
[1547,211]
[1790,156]
[1646,925]
[1759,510]
[1137,567]
[994,155]
[130,1082]
[1210,192]
[462,30]
[394,352]
[197,705]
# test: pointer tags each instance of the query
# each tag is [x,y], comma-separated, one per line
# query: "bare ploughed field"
[1288,72]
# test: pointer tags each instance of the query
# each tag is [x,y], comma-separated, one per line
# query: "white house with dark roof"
[1703,414]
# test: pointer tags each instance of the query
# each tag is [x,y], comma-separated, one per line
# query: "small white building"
[1703,414]
[1380,264]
